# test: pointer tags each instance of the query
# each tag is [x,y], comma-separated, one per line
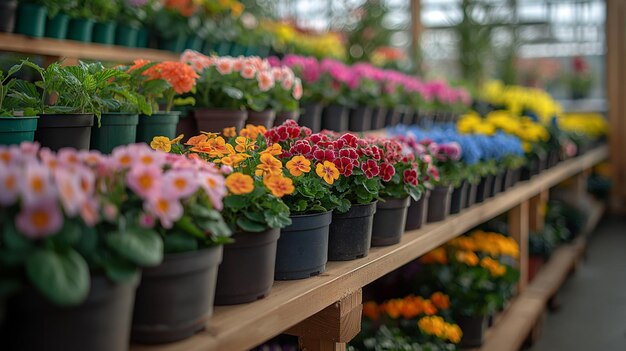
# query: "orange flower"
[298,165]
[441,300]
[229,132]
[437,255]
[328,171]
[184,7]
[244,144]
[429,308]
[493,266]
[180,76]
[278,185]
[216,148]
[137,64]
[210,135]
[239,183]
[273,150]
[467,257]
[252,131]
[234,160]
[195,140]
[371,310]
[269,165]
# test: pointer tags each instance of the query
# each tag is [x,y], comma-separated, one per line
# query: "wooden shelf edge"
[10,42]
[512,328]
[242,327]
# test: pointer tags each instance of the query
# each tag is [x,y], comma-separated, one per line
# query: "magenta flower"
[39,220]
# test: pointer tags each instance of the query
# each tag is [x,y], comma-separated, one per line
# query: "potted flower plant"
[58,20]
[286,97]
[66,100]
[71,253]
[447,158]
[162,81]
[104,13]
[178,198]
[31,18]
[340,80]
[252,208]
[133,14]
[399,176]
[171,23]
[13,129]
[303,245]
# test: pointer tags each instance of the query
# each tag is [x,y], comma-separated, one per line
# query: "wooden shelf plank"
[290,302]
[511,330]
[10,42]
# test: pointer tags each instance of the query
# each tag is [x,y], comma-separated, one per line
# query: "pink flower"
[29,149]
[265,79]
[144,181]
[8,155]
[9,185]
[70,193]
[110,212]
[248,72]
[224,65]
[410,177]
[238,64]
[36,184]
[370,168]
[297,89]
[146,220]
[277,73]
[39,220]
[122,157]
[68,156]
[215,188]
[226,169]
[166,209]
[89,212]
[91,158]
[387,171]
[151,158]
[179,183]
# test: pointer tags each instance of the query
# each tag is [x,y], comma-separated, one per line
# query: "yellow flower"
[234,160]
[493,266]
[269,165]
[244,144]
[467,257]
[328,171]
[210,135]
[453,333]
[298,165]
[229,132]
[252,131]
[278,185]
[161,143]
[273,150]
[239,183]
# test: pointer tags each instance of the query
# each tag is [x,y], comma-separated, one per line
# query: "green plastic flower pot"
[222,48]
[56,27]
[158,124]
[115,129]
[143,37]
[176,44]
[194,42]
[81,29]
[126,35]
[31,20]
[237,50]
[252,50]
[14,130]
[104,33]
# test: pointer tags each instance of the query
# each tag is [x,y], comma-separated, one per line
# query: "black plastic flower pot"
[187,126]
[64,130]
[14,130]
[389,221]
[101,323]
[175,298]
[515,178]
[458,197]
[393,116]
[81,29]
[498,179]
[8,10]
[247,270]
[157,124]
[543,163]
[417,212]
[439,203]
[104,33]
[360,119]
[126,35]
[472,190]
[216,119]
[261,118]
[335,118]
[56,27]
[284,116]
[484,188]
[175,43]
[506,177]
[31,20]
[115,129]
[350,234]
[379,114]
[530,169]
[303,247]
[311,116]
[408,116]
[473,328]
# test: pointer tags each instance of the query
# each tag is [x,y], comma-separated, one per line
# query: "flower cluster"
[437,326]
[521,101]
[591,125]
[489,243]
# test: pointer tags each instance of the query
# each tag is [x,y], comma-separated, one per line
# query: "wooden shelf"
[10,42]
[242,327]
[511,330]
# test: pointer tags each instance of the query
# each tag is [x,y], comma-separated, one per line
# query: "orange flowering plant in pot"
[161,83]
[253,207]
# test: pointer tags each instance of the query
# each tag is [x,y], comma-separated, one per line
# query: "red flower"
[374,152]
[344,165]
[387,171]
[349,139]
[410,177]
[301,147]
[324,155]
[294,132]
[370,168]
[317,138]
[350,153]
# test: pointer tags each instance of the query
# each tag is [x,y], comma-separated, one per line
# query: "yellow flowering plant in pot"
[253,207]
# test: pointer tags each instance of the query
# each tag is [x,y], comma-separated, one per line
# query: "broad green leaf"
[63,278]
[177,242]
[235,202]
[119,270]
[141,246]
[250,226]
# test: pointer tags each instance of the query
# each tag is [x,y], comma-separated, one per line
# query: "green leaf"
[141,246]
[254,216]
[63,278]
[235,202]
[119,270]
[233,93]
[14,240]
[186,224]
[250,226]
[177,242]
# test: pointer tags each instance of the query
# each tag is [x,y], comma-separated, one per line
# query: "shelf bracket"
[331,328]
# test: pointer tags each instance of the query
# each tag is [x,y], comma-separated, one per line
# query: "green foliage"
[6,85]
[256,211]
[98,10]
[311,195]
[369,33]
[395,339]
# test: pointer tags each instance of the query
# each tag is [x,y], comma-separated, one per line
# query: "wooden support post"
[518,228]
[416,29]
[331,328]
[537,210]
